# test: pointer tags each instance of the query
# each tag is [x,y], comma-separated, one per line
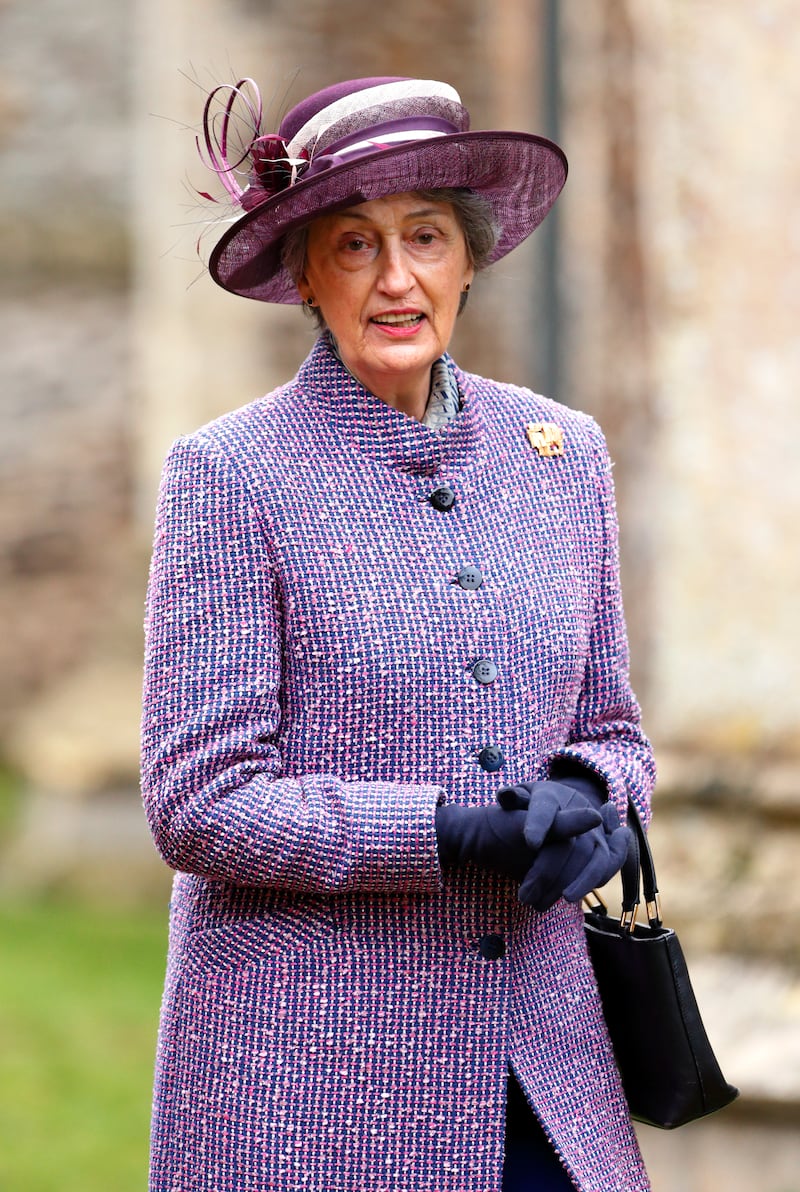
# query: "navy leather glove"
[491,836]
[577,834]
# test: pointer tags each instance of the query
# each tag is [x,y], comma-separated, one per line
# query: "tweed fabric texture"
[444,399]
[339,1014]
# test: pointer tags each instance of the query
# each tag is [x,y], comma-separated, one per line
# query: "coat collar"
[354,415]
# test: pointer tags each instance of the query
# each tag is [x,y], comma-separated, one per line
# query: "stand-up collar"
[352,414]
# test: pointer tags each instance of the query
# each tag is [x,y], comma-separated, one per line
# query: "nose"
[394,276]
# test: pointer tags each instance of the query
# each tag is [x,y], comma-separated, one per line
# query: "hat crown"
[362,105]
[307,108]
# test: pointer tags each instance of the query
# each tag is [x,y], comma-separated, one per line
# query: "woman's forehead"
[390,209]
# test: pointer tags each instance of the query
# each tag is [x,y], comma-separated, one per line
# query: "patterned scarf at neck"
[444,400]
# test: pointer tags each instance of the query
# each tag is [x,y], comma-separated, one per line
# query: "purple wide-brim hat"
[357,141]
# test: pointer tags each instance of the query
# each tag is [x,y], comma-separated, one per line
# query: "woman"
[387,719]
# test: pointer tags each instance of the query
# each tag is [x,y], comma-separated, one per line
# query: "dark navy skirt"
[531,1164]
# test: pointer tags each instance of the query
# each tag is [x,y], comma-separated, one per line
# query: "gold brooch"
[546,438]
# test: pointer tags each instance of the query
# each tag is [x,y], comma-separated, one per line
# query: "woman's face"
[388,277]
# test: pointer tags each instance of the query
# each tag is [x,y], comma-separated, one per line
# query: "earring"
[309,301]
[466,289]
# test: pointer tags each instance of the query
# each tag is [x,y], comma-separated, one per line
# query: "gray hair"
[475,218]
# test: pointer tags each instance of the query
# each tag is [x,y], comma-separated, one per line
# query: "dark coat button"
[484,671]
[492,947]
[443,498]
[491,759]
[469,578]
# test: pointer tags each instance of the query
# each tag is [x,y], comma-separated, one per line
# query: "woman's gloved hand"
[555,810]
[571,868]
[491,836]
[575,833]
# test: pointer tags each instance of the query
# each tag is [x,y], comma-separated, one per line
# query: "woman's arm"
[606,734]
[215,795]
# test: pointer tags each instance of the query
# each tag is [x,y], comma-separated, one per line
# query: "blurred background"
[662,296]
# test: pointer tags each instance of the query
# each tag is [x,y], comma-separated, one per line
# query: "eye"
[355,244]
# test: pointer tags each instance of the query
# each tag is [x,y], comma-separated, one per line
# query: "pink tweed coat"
[339,1013]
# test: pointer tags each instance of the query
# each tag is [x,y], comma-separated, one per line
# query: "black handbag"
[668,1068]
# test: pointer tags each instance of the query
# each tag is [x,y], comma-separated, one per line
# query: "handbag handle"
[638,865]
[638,873]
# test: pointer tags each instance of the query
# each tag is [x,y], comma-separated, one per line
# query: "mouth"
[400,319]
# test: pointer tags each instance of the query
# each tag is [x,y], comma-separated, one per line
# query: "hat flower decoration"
[271,168]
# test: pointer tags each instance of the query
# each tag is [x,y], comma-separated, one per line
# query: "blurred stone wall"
[66,470]
[676,312]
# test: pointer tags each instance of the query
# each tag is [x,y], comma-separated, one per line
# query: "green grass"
[79,996]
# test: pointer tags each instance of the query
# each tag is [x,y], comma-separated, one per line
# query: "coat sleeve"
[215,795]
[606,733]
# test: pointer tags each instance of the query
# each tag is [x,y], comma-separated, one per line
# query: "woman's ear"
[303,288]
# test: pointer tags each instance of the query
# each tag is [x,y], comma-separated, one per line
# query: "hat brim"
[519,174]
